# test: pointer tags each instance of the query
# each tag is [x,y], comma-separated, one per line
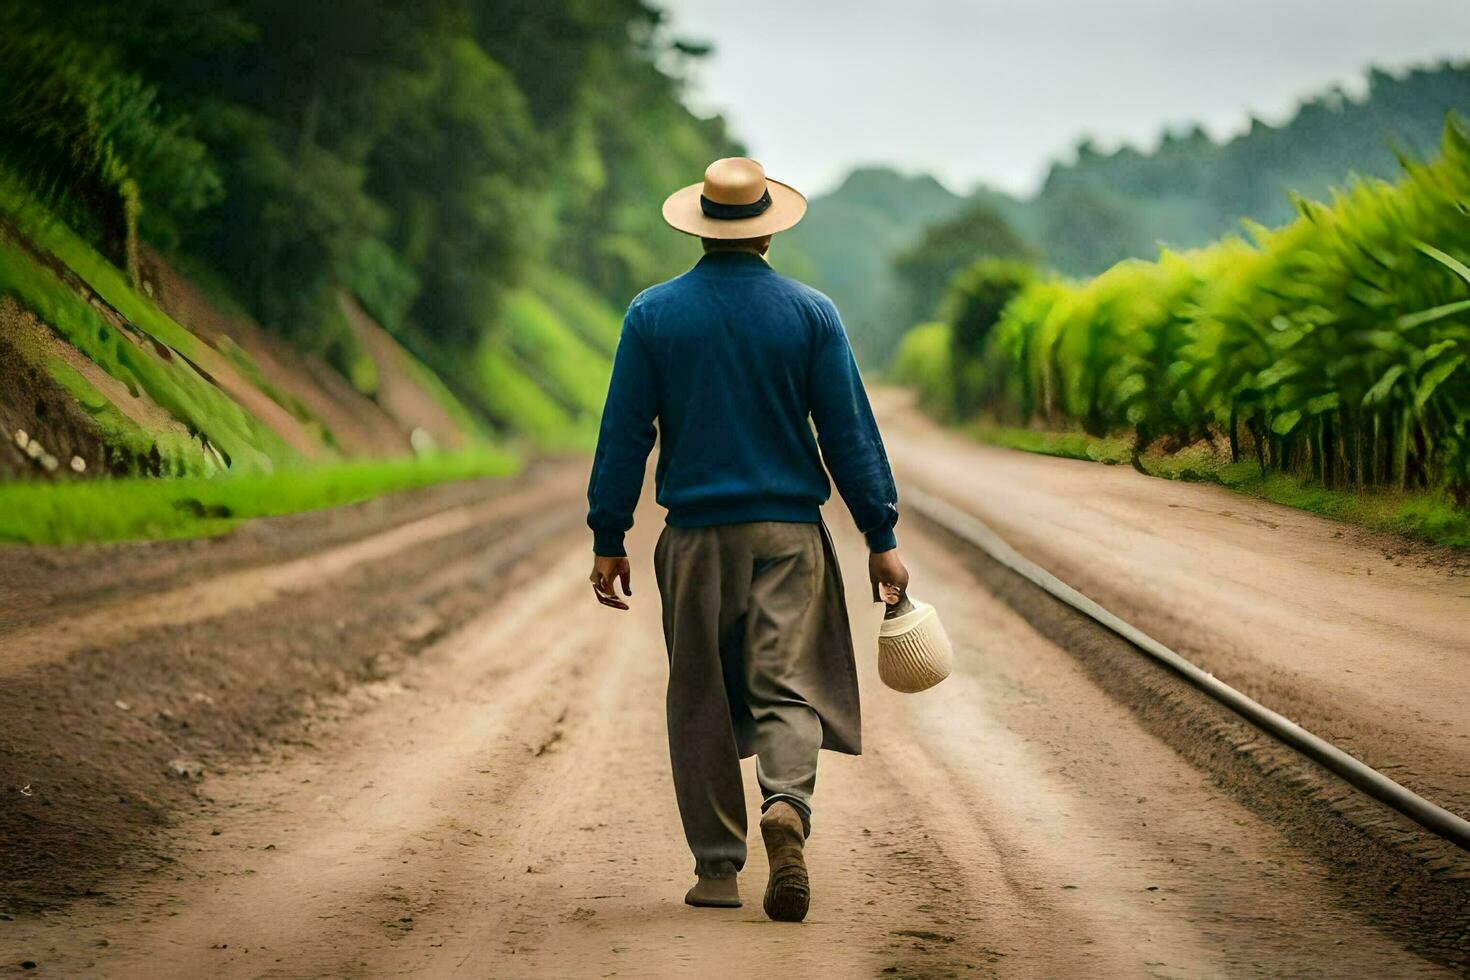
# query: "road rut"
[501,807]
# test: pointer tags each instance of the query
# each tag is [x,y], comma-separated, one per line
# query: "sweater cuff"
[882,539]
[608,544]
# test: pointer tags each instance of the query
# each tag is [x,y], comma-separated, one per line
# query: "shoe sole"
[788,892]
[713,904]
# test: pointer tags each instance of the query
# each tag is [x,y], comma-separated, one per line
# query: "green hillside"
[254,239]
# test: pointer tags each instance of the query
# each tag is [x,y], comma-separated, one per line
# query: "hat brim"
[683,213]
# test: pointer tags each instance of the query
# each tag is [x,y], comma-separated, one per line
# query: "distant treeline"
[1335,349]
[426,156]
[1105,207]
[885,245]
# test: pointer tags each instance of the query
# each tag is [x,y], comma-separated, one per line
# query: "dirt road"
[497,803]
[1360,637]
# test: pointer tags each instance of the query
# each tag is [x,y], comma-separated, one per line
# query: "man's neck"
[736,250]
[758,253]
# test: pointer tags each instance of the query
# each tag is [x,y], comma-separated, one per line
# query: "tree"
[93,142]
[1088,229]
[423,154]
[926,269]
[977,297]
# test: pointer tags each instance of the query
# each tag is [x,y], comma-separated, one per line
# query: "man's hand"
[886,569]
[606,571]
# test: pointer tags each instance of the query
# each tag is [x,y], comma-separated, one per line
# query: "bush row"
[1334,348]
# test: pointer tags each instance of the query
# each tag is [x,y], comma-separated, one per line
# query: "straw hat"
[735,200]
[914,652]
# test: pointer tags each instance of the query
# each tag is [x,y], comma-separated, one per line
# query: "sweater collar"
[733,264]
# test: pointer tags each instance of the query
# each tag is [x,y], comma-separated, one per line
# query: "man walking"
[731,360]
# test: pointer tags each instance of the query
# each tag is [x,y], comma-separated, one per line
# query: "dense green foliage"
[923,363]
[977,298]
[429,157]
[1103,207]
[91,139]
[1333,349]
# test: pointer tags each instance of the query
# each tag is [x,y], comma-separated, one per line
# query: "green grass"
[517,403]
[142,508]
[539,376]
[564,365]
[1072,445]
[107,279]
[1419,515]
[1423,516]
[582,310]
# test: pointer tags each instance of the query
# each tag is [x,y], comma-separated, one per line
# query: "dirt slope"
[35,403]
[359,426]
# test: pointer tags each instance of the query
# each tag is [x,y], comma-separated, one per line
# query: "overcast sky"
[981,90]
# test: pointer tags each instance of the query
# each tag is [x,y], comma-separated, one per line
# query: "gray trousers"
[760,663]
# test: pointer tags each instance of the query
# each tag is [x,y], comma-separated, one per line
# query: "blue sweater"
[731,359]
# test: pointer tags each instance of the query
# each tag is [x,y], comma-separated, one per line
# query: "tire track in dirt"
[302,841]
[103,751]
[505,810]
[245,589]
[1403,880]
[1359,637]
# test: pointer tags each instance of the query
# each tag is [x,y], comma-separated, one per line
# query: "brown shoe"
[788,891]
[714,893]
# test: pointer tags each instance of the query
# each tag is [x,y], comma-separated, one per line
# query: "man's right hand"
[605,572]
[886,569]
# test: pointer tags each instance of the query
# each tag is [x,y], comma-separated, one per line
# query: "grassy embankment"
[1416,514]
[222,464]
[147,507]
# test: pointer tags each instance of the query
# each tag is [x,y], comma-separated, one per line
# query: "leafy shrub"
[945,250]
[923,363]
[977,297]
[382,282]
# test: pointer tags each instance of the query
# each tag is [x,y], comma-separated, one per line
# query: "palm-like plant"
[1336,346]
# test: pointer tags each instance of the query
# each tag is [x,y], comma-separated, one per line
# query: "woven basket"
[914,652]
